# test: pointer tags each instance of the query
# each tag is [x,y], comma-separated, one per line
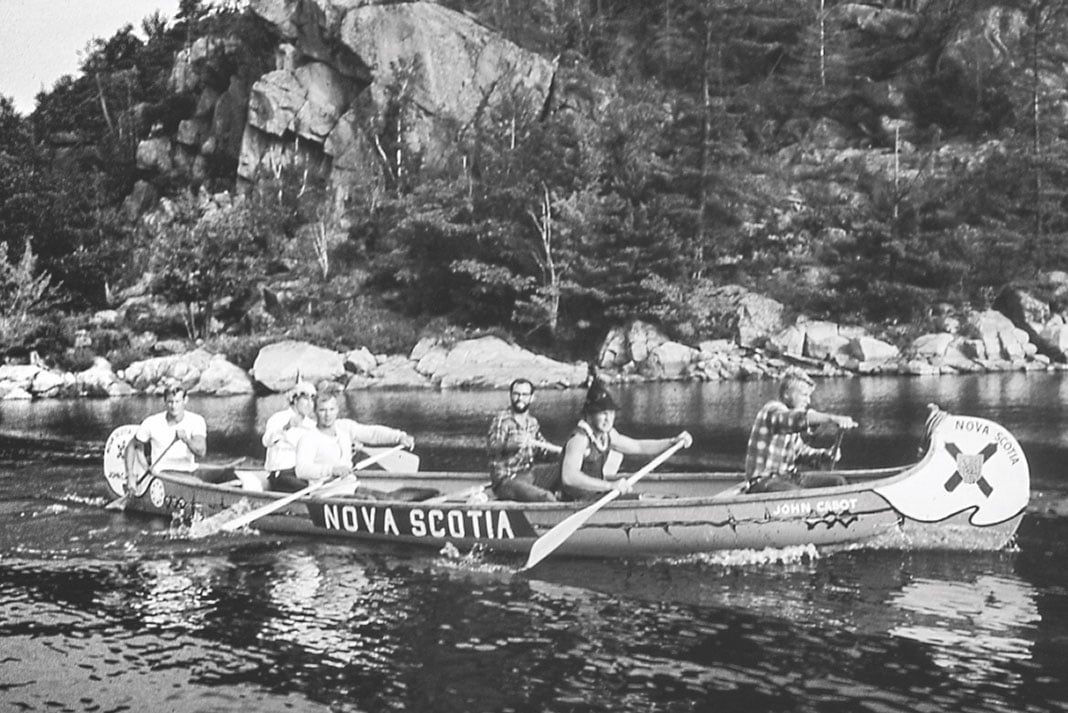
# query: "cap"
[598,399]
[302,388]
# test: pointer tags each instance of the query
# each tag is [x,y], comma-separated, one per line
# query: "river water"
[102,611]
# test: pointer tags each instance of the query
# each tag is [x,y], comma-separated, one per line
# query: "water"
[101,611]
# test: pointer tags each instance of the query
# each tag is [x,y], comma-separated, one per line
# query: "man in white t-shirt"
[326,450]
[176,438]
[281,434]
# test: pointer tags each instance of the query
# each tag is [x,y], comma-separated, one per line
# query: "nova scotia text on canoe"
[969,491]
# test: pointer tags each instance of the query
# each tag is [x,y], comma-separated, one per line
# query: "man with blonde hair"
[776,443]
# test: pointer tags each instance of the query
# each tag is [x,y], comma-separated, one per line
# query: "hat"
[302,388]
[598,399]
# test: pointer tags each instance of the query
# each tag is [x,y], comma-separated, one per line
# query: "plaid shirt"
[775,443]
[511,444]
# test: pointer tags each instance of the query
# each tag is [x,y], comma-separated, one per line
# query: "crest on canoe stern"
[971,463]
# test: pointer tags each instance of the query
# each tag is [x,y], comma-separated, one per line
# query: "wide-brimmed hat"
[598,399]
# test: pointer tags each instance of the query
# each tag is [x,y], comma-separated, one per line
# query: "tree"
[206,255]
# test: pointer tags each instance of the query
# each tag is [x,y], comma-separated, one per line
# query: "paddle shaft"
[256,514]
[120,502]
[837,448]
[547,543]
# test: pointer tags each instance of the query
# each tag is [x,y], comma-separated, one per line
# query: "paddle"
[231,520]
[120,502]
[836,449]
[547,543]
[394,460]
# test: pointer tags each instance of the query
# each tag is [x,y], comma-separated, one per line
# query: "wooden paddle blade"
[397,461]
[547,543]
[555,537]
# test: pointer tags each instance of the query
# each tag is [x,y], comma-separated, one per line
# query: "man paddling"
[326,450]
[776,445]
[283,432]
[583,474]
[514,443]
[175,436]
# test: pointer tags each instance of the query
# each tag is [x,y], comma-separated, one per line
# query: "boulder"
[220,377]
[757,317]
[394,372]
[871,350]
[360,361]
[642,339]
[18,375]
[155,374]
[432,361]
[670,360]
[278,366]
[788,341]
[47,383]
[614,353]
[931,345]
[155,154]
[1024,310]
[98,380]
[490,362]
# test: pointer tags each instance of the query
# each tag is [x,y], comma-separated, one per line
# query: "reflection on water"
[101,611]
[970,623]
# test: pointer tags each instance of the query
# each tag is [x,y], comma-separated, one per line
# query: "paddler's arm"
[307,466]
[196,443]
[648,446]
[374,435]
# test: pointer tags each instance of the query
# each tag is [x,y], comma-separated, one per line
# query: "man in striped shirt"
[776,444]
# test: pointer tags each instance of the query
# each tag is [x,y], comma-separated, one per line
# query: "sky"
[41,40]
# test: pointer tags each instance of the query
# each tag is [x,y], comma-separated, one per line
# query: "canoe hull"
[968,492]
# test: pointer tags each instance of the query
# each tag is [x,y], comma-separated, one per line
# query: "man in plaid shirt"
[514,441]
[776,444]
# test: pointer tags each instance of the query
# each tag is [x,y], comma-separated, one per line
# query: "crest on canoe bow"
[971,463]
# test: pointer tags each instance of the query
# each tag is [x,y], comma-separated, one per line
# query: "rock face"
[349,64]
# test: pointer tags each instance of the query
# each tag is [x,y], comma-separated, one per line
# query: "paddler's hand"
[407,441]
[684,438]
[844,423]
[622,485]
[339,471]
[547,447]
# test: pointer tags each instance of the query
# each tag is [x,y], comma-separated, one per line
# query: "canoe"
[968,491]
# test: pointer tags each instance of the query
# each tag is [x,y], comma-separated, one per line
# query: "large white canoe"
[969,491]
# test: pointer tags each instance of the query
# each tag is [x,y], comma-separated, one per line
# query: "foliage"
[25,294]
[205,254]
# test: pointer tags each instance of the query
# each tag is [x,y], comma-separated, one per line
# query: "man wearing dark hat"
[282,433]
[582,469]
[776,445]
[514,443]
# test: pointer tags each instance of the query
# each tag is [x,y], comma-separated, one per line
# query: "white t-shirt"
[281,442]
[167,453]
[318,452]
